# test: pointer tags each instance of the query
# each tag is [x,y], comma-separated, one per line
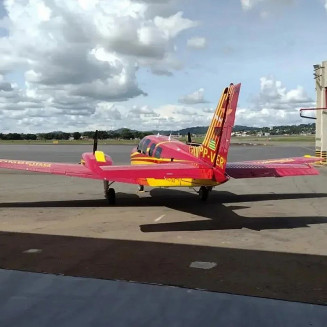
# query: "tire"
[203,193]
[111,196]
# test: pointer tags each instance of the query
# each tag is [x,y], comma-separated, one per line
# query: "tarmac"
[260,237]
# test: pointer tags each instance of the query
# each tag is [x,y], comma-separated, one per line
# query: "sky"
[80,65]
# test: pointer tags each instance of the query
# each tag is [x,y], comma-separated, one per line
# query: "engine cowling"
[97,159]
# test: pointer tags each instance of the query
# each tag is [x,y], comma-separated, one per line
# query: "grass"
[275,138]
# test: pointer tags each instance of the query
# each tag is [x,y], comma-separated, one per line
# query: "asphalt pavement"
[261,238]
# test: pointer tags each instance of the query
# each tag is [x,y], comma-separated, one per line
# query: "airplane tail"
[215,146]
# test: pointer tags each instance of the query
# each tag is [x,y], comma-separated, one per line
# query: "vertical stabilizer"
[215,146]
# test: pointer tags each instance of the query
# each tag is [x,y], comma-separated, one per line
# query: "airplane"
[161,161]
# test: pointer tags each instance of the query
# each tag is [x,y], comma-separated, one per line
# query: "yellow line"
[218,113]
[142,162]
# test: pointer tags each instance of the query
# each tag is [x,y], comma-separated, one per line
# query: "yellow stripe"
[140,162]
[163,142]
[134,154]
[177,182]
[218,112]
[150,159]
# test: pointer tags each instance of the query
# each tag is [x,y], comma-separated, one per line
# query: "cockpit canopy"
[152,150]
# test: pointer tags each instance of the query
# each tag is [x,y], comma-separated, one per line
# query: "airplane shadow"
[287,276]
[221,217]
[217,215]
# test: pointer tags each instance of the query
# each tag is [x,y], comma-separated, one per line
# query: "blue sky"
[143,64]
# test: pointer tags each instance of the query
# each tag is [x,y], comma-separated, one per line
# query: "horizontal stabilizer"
[272,168]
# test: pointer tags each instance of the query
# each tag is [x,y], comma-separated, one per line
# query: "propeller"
[95,141]
[189,139]
[190,142]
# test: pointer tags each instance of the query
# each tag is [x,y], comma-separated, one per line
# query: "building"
[320,75]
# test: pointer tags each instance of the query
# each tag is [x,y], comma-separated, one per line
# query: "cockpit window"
[145,146]
[139,147]
[153,145]
[158,152]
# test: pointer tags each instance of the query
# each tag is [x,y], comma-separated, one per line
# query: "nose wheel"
[109,192]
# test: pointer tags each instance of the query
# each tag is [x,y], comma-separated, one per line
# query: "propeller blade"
[95,141]
[189,139]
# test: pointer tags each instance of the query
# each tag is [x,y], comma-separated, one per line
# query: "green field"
[274,138]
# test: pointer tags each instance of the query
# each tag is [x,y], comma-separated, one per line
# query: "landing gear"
[111,196]
[141,188]
[109,192]
[204,192]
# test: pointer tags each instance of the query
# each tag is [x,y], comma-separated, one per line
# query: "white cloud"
[193,98]
[173,25]
[77,55]
[197,43]
[249,4]
[326,4]
[274,105]
[267,117]
[271,4]
[275,96]
[142,112]
[174,117]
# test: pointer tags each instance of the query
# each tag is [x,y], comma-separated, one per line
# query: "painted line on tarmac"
[203,265]
[159,218]
[33,251]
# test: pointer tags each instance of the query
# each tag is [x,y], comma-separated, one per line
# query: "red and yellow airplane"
[159,161]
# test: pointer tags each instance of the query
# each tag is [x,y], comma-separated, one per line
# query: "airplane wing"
[75,170]
[121,173]
[273,167]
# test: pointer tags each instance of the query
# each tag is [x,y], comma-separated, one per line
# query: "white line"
[33,251]
[203,265]
[159,218]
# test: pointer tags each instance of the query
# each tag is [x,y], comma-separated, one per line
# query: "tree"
[126,134]
[77,135]
[29,137]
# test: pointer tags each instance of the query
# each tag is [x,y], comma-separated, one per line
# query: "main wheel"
[203,193]
[141,188]
[111,196]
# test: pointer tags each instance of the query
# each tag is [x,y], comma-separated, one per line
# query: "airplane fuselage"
[160,149]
